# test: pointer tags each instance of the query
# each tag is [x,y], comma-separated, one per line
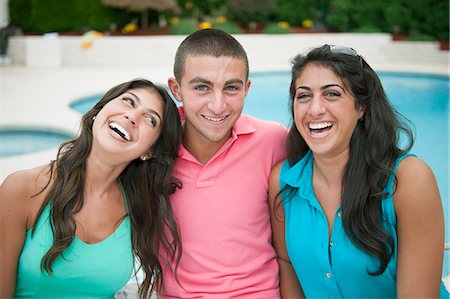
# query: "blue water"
[423,99]
[22,141]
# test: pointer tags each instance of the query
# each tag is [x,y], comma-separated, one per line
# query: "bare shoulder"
[414,172]
[416,185]
[274,181]
[275,173]
[26,182]
[19,191]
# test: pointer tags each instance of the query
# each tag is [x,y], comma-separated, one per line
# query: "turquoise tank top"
[85,270]
[333,267]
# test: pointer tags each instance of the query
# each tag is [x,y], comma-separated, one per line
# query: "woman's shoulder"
[416,184]
[24,191]
[413,170]
[27,181]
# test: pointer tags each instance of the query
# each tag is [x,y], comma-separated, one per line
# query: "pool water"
[23,141]
[83,105]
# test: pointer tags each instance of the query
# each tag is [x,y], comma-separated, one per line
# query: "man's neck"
[203,151]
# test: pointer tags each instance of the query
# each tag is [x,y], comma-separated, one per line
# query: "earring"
[143,158]
[93,118]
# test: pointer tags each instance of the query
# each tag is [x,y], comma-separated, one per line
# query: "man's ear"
[175,88]
[247,86]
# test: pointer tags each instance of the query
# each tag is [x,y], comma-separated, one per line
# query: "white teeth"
[215,118]
[318,126]
[121,130]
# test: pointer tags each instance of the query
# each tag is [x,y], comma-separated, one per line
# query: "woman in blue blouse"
[353,214]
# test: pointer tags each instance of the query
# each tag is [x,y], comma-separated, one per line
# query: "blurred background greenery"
[411,19]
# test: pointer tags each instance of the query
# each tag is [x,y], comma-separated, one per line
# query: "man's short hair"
[211,42]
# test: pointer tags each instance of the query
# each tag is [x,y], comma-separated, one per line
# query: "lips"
[120,131]
[215,119]
[320,128]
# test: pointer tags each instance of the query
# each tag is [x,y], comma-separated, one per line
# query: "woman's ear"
[146,156]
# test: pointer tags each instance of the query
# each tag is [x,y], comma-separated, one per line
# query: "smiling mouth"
[215,119]
[318,128]
[120,131]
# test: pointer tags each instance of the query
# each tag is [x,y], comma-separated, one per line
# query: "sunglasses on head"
[346,51]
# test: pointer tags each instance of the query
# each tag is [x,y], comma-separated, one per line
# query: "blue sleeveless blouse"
[333,267]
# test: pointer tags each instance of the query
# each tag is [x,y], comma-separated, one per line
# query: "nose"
[217,103]
[129,116]
[317,106]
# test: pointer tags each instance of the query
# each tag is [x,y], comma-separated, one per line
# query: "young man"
[224,164]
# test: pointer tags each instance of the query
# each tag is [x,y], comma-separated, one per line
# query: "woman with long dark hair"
[354,215]
[73,228]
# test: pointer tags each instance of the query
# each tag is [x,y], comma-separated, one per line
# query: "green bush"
[397,17]
[274,28]
[346,15]
[55,15]
[60,16]
[246,11]
[101,18]
[228,26]
[437,19]
[421,38]
[20,14]
[296,11]
[367,29]
[418,17]
[183,27]
[337,15]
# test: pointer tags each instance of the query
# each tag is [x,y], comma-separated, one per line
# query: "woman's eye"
[152,120]
[129,100]
[332,94]
[302,97]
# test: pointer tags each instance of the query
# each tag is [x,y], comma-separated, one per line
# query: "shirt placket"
[327,250]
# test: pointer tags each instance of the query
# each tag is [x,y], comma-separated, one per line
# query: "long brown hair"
[147,186]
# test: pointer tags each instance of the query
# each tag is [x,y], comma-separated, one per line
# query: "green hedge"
[245,11]
[296,11]
[71,15]
[416,18]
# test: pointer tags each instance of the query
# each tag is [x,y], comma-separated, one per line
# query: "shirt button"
[331,244]
[328,275]
[340,214]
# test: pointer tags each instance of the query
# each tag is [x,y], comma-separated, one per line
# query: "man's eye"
[201,87]
[232,88]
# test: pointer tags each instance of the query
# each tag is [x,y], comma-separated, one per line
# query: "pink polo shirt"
[224,220]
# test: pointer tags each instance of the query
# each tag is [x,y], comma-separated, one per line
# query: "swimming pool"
[20,141]
[423,99]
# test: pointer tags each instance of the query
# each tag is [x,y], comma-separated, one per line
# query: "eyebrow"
[140,102]
[321,88]
[202,80]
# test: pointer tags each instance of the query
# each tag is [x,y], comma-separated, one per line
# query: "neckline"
[114,232]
